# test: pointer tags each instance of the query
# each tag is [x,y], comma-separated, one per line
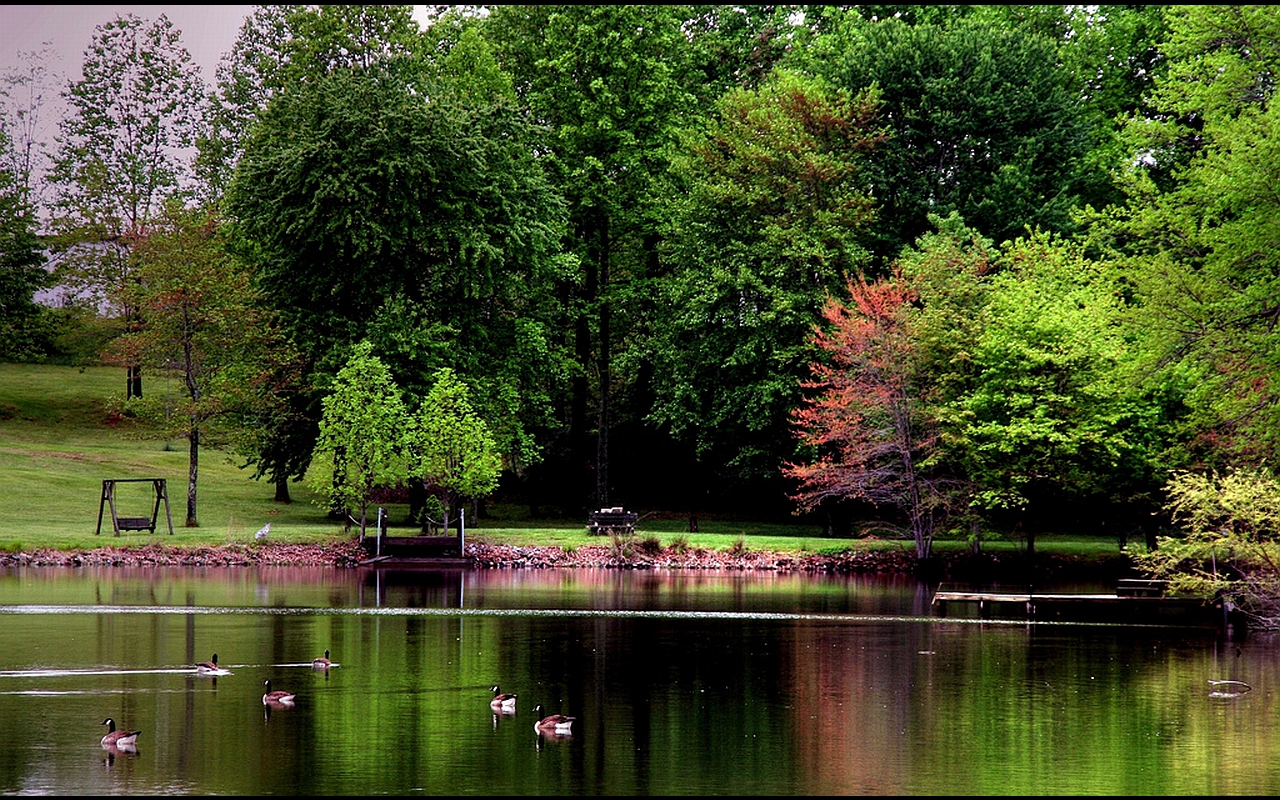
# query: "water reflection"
[684,683]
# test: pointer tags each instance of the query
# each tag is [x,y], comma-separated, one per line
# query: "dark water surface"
[682,683]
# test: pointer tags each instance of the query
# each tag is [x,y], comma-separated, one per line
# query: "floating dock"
[1138,603]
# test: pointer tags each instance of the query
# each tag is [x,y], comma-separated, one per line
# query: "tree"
[426,225]
[873,437]
[1228,527]
[451,448]
[25,325]
[203,325]
[361,446]
[1198,235]
[611,85]
[771,208]
[982,121]
[122,151]
[1047,410]
[247,78]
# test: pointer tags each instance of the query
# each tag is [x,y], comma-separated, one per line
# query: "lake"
[682,683]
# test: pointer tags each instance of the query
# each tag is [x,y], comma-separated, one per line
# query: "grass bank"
[58,442]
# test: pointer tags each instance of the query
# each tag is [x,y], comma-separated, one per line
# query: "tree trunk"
[282,490]
[193,468]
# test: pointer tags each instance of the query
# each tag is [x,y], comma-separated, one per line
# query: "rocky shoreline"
[349,555]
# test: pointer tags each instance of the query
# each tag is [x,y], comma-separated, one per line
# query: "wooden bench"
[608,521]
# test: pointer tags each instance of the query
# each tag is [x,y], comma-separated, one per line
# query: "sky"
[208,31]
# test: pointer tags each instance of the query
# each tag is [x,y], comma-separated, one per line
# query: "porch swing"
[119,523]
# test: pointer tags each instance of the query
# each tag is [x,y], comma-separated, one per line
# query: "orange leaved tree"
[871,436]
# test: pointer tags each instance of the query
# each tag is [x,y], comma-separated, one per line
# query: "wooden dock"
[1128,606]
[417,551]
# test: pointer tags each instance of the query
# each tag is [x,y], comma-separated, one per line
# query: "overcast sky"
[208,31]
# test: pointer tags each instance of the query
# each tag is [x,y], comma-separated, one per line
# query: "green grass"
[58,443]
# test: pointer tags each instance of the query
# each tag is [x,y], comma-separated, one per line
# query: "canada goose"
[555,724]
[323,663]
[502,701]
[211,667]
[115,738]
[278,698]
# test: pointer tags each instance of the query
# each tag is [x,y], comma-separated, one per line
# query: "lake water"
[682,683]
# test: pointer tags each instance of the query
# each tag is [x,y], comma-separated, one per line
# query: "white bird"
[262,534]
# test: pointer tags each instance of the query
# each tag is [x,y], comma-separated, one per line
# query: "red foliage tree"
[872,437]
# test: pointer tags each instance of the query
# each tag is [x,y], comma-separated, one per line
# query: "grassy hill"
[58,442]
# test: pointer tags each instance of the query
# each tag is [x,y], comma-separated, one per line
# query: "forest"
[940,270]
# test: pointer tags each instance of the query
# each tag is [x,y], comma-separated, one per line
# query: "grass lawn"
[58,443]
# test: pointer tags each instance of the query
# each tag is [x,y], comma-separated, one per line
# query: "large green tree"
[1198,237]
[612,85]
[983,122]
[425,224]
[123,149]
[771,209]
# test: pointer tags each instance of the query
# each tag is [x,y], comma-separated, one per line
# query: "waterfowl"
[279,698]
[502,701]
[115,738]
[322,663]
[211,667]
[554,724]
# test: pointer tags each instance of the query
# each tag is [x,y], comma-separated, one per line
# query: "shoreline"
[350,555]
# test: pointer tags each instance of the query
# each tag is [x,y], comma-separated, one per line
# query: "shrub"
[650,545]
[679,545]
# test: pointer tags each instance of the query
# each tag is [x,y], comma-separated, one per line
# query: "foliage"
[873,438]
[122,149]
[361,442]
[983,122]
[1230,523]
[26,327]
[1046,409]
[773,211]
[1197,236]
[451,449]
[202,325]
[612,85]
[426,226]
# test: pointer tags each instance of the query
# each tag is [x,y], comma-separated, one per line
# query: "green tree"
[1197,236]
[203,326]
[451,449]
[1228,528]
[1047,411]
[25,325]
[771,212]
[424,224]
[123,149]
[361,446]
[983,122]
[611,84]
[247,77]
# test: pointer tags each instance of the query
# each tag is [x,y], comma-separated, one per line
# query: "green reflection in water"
[712,685]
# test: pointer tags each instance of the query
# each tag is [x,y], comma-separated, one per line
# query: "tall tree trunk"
[602,428]
[193,468]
